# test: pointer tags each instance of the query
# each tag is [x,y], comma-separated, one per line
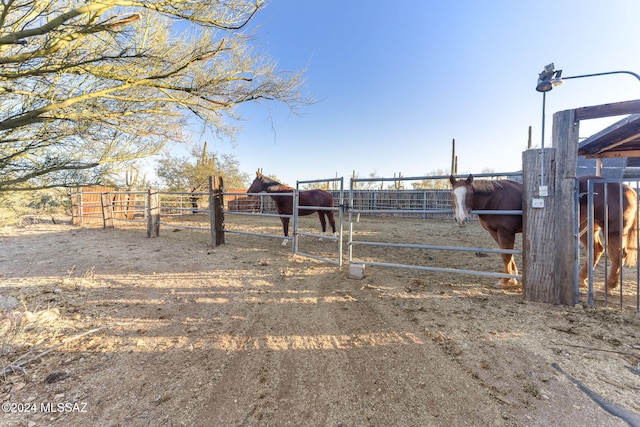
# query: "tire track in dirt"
[343,361]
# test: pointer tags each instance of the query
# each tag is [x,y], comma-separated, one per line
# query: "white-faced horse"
[507,195]
[469,194]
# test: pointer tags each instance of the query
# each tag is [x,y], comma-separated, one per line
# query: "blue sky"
[397,81]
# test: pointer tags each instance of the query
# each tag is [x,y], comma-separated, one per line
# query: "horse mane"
[486,186]
[273,184]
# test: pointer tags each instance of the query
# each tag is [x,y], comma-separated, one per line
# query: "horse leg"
[598,250]
[506,240]
[510,268]
[616,255]
[323,221]
[285,228]
[622,241]
[332,221]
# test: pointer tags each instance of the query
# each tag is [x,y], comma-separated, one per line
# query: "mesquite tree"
[86,85]
[192,174]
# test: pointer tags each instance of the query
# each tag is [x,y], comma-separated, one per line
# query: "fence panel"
[338,204]
[86,204]
[430,204]
[629,278]
[185,210]
[255,204]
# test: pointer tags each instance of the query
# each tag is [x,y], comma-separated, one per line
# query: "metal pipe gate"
[604,237]
[296,232]
[360,211]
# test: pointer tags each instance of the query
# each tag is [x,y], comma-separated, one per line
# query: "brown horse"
[622,240]
[498,195]
[284,203]
[468,195]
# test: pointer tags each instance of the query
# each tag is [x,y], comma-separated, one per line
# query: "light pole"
[547,80]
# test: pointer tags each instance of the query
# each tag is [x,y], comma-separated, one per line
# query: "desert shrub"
[14,206]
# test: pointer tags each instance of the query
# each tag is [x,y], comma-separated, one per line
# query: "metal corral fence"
[427,203]
[185,210]
[261,204]
[103,205]
[255,204]
[378,202]
[629,279]
[441,207]
[86,204]
[337,208]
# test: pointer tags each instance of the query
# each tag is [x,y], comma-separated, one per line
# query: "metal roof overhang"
[621,139]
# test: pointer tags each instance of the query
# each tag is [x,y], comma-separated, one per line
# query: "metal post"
[296,203]
[340,218]
[544,102]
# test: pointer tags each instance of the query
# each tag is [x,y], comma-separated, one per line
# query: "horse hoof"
[506,284]
[284,243]
[320,239]
[600,290]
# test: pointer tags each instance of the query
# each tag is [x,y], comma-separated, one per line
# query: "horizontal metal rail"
[169,208]
[115,192]
[132,193]
[142,221]
[289,194]
[439,269]
[435,177]
[190,227]
[132,207]
[441,248]
[423,211]
[257,214]
[184,193]
[317,208]
[247,233]
[319,258]
[319,236]
[410,211]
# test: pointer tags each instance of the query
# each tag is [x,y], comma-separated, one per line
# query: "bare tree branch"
[86,85]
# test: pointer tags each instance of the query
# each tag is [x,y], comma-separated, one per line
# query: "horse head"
[257,185]
[461,198]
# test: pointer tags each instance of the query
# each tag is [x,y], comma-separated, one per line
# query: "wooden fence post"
[216,212]
[565,141]
[80,207]
[153,215]
[76,196]
[538,241]
[550,241]
[107,210]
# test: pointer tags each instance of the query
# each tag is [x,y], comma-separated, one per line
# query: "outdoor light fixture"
[547,80]
[550,77]
[557,79]
[544,78]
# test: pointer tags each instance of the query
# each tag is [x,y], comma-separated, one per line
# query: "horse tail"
[631,260]
[632,243]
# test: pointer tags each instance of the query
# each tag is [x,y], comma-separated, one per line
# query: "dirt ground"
[179,333]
